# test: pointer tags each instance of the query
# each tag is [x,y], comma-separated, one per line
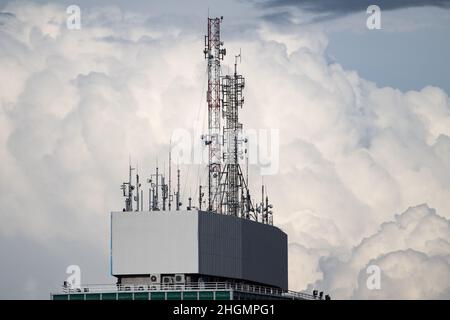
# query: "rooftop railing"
[204,286]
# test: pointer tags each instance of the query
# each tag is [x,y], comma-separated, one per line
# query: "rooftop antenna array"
[264,208]
[227,189]
[159,192]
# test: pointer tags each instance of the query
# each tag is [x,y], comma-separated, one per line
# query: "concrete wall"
[199,243]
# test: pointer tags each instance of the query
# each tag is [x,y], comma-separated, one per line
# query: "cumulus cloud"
[412,252]
[77,103]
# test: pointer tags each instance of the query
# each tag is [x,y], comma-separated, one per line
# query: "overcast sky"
[364,120]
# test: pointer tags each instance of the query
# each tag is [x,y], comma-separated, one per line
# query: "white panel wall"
[154,242]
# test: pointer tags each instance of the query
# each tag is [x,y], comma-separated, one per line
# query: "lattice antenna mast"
[214,53]
[235,196]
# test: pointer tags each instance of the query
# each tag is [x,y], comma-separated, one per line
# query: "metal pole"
[200,197]
[149,199]
[137,193]
[178,189]
[170,176]
[163,189]
[156,188]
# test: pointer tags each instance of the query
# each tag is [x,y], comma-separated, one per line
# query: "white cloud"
[76,104]
[412,252]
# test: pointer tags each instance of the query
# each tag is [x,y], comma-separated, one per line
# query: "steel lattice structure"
[235,197]
[228,190]
[214,53]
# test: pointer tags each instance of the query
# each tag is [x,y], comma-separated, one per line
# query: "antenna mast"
[228,191]
[138,194]
[177,197]
[127,189]
[170,175]
[214,53]
[235,197]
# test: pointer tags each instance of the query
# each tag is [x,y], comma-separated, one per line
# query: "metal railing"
[204,286]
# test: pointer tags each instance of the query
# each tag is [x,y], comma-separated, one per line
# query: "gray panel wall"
[264,252]
[220,245]
[243,249]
